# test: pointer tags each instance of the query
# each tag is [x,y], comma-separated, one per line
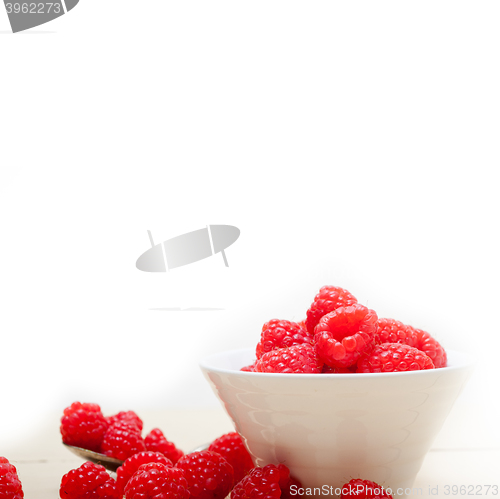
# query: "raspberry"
[392,331]
[10,485]
[122,440]
[392,357]
[249,369]
[155,441]
[269,482]
[208,474]
[363,489]
[280,334]
[327,300]
[338,370]
[89,481]
[231,447]
[131,465]
[157,481]
[343,335]
[295,359]
[427,344]
[127,417]
[83,425]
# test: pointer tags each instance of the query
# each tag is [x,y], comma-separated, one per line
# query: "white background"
[353,144]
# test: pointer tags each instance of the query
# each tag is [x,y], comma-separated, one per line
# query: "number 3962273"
[34,8]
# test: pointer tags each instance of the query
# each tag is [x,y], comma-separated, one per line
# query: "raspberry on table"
[327,300]
[126,417]
[89,481]
[133,463]
[392,357]
[10,485]
[343,335]
[280,334]
[83,425]
[427,344]
[231,447]
[268,482]
[363,489]
[157,481]
[155,441]
[209,475]
[122,440]
[297,359]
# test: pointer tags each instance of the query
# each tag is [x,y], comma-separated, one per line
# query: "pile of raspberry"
[226,467]
[339,335]
[118,436]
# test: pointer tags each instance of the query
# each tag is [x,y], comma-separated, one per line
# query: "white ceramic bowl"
[330,428]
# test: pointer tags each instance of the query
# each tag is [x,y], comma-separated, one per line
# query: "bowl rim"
[459,360]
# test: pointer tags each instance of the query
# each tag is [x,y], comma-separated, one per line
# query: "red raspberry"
[208,474]
[269,482]
[83,425]
[127,417]
[280,334]
[131,465]
[392,331]
[10,485]
[231,447]
[427,344]
[89,481]
[363,489]
[295,359]
[392,357]
[157,481]
[343,335]
[155,441]
[249,369]
[122,440]
[339,370]
[327,300]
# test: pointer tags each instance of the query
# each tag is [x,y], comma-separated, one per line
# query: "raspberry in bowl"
[341,394]
[329,427]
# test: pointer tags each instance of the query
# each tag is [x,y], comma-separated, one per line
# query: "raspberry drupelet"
[122,440]
[208,474]
[394,357]
[89,481]
[363,489]
[327,300]
[125,472]
[156,441]
[280,334]
[10,485]
[157,481]
[342,336]
[83,425]
[268,482]
[127,417]
[231,447]
[297,359]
